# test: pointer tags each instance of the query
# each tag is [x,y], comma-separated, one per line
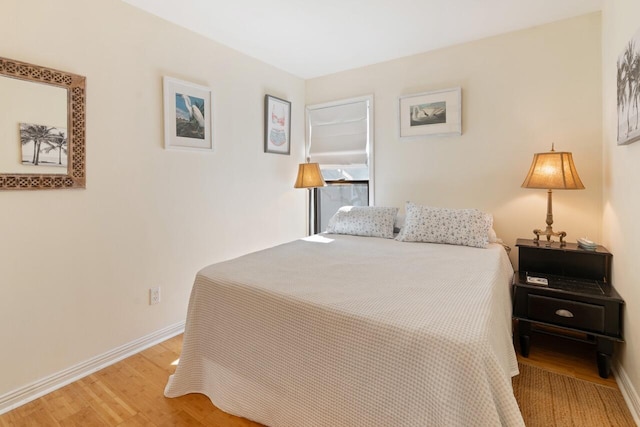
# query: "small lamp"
[309,176]
[552,171]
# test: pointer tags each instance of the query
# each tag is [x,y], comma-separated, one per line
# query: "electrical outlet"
[154,296]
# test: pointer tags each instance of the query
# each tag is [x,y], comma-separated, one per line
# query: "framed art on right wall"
[431,113]
[629,92]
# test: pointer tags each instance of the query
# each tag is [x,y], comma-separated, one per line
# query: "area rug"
[549,399]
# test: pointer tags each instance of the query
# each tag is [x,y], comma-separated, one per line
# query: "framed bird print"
[433,113]
[277,125]
[188,116]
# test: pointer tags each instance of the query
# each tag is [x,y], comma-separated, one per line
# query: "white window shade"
[339,135]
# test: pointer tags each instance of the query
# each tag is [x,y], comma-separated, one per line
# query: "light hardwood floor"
[563,356]
[129,393]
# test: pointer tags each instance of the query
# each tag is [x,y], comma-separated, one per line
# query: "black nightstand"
[579,298]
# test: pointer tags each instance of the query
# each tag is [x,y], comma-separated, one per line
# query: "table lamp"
[552,171]
[309,176]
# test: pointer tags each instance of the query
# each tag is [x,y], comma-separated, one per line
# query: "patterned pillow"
[368,221]
[465,227]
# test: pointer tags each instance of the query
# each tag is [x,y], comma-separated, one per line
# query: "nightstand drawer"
[566,313]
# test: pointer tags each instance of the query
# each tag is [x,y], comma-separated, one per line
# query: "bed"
[346,330]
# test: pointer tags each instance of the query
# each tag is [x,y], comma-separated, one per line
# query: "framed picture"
[43,145]
[431,113]
[42,128]
[629,92]
[277,125]
[188,116]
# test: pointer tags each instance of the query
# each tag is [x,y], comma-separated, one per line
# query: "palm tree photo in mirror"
[43,145]
[629,92]
[44,121]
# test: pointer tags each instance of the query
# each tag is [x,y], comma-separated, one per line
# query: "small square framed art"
[188,116]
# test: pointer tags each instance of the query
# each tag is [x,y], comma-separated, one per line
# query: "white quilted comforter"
[339,330]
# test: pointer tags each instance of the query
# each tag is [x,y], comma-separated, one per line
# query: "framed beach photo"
[277,125]
[629,92]
[431,113]
[43,145]
[188,116]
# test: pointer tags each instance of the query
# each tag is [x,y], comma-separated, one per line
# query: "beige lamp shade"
[553,170]
[309,176]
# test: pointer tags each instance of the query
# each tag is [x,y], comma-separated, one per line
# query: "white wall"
[520,92]
[621,222]
[76,265]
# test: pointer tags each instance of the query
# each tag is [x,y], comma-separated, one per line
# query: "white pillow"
[465,227]
[368,221]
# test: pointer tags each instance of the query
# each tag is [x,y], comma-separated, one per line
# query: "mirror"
[42,127]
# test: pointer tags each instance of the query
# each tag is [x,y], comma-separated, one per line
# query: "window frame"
[368,99]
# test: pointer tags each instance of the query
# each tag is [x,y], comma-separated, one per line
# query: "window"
[340,139]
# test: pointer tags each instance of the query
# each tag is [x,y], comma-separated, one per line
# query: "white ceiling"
[315,38]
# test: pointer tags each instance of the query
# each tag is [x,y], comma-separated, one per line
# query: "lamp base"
[550,233]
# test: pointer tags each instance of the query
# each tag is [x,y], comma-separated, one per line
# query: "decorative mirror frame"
[75,86]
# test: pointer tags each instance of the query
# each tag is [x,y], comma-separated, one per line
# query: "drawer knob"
[564,313]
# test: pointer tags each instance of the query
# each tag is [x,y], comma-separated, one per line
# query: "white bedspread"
[354,331]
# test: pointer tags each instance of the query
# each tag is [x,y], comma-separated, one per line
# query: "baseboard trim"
[46,385]
[628,392]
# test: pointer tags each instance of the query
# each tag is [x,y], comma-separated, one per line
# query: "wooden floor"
[567,357]
[130,393]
